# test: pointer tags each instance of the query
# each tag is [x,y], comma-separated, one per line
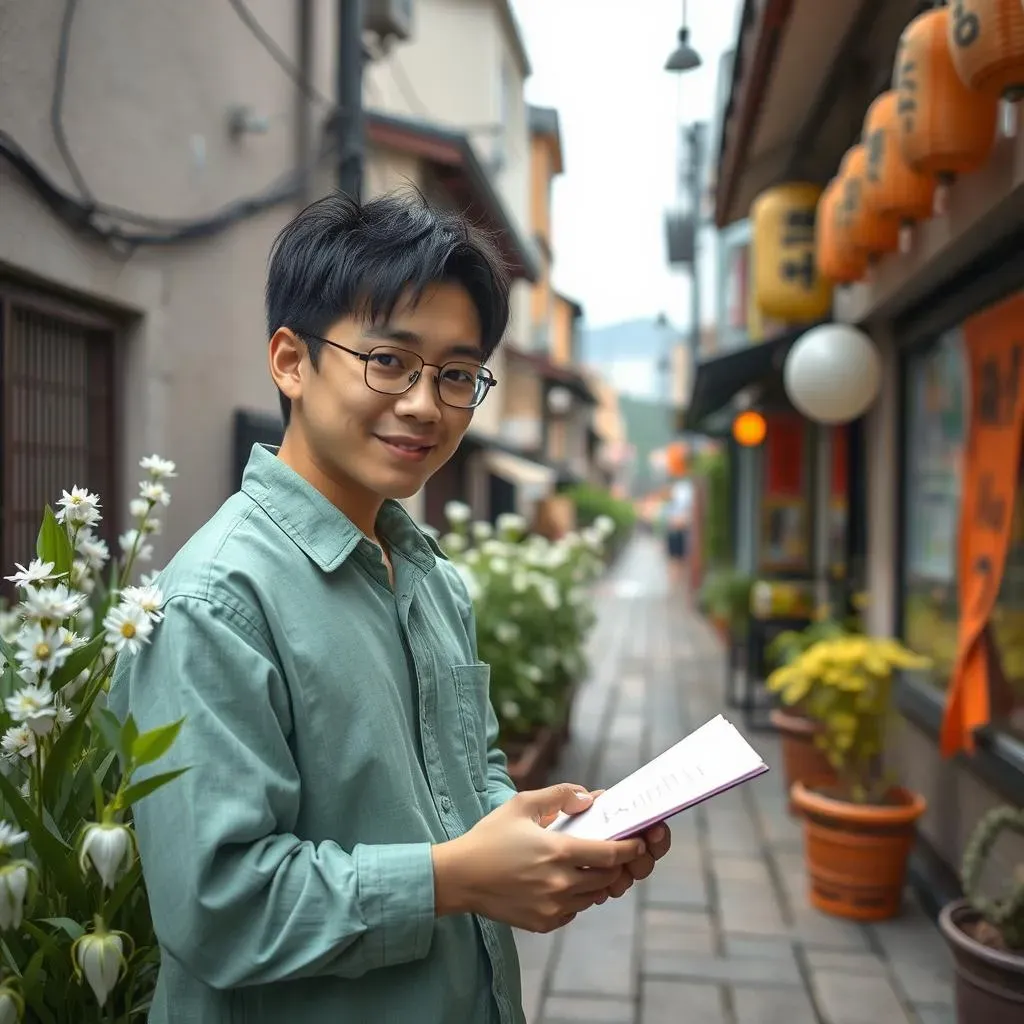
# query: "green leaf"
[129,733]
[55,854]
[73,928]
[7,652]
[79,660]
[109,726]
[124,888]
[65,750]
[53,543]
[151,745]
[135,792]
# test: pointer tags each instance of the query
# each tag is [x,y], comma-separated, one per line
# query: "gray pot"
[989,982]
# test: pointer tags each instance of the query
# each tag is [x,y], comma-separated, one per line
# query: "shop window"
[937,397]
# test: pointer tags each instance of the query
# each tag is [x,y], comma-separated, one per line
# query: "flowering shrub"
[76,939]
[532,608]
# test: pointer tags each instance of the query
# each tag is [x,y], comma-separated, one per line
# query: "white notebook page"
[709,761]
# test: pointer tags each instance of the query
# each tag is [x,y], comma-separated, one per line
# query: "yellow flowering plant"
[76,939]
[844,683]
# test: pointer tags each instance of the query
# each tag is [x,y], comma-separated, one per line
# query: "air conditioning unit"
[388,18]
[680,238]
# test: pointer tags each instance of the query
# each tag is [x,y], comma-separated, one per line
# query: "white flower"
[457,513]
[533,673]
[157,468]
[453,542]
[491,548]
[65,716]
[148,579]
[129,539]
[499,566]
[111,848]
[50,605]
[520,582]
[81,578]
[152,527]
[19,741]
[509,709]
[93,549]
[127,627]
[471,582]
[100,957]
[510,525]
[154,492]
[12,1006]
[41,649]
[482,530]
[604,525]
[10,623]
[148,598]
[506,632]
[79,507]
[33,705]
[13,886]
[38,571]
[10,837]
[138,508]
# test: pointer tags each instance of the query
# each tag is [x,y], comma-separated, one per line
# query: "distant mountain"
[630,355]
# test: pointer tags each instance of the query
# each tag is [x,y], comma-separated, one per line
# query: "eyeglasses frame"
[490,380]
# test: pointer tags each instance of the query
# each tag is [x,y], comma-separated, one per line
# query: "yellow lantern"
[787,285]
[749,429]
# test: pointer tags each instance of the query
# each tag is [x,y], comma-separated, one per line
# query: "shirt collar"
[318,527]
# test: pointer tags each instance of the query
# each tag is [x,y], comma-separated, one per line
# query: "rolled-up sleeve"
[235,896]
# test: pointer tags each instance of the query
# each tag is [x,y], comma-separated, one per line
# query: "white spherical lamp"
[832,373]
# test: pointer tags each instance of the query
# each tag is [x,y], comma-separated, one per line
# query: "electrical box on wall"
[388,18]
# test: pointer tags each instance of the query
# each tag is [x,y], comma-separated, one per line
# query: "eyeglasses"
[394,371]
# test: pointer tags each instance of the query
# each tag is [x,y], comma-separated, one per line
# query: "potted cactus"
[986,933]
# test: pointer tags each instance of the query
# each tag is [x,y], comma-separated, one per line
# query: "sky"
[601,64]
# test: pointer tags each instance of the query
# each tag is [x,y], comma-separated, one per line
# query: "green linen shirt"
[336,728]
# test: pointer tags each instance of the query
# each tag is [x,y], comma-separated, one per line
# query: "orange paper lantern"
[676,459]
[986,43]
[837,259]
[868,231]
[945,129]
[749,429]
[891,188]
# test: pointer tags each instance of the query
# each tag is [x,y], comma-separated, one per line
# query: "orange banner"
[995,350]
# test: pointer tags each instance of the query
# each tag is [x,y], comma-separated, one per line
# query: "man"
[347,845]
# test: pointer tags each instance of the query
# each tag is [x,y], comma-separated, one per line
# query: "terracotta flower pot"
[801,760]
[989,982]
[857,853]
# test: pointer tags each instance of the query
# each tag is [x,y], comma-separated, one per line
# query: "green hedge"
[591,502]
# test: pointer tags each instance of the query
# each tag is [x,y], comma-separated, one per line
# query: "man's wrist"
[450,896]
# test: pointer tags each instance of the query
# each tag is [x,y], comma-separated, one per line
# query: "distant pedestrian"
[678,518]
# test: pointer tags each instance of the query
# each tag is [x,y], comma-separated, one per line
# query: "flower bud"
[14,880]
[99,956]
[110,847]
[12,1006]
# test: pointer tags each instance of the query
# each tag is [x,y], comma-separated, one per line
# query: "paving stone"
[759,947]
[598,951]
[818,930]
[911,937]
[676,931]
[747,905]
[670,1002]
[773,971]
[849,999]
[929,984]
[588,1010]
[845,961]
[779,1006]
[935,1014]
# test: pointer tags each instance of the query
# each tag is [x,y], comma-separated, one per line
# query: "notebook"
[711,760]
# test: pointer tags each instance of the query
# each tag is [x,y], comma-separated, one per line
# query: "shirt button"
[446,804]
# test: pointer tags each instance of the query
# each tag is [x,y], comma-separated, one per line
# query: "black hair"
[340,257]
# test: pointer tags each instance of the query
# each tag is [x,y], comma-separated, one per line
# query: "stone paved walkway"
[722,933]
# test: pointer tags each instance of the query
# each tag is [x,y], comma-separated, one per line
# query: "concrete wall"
[149,90]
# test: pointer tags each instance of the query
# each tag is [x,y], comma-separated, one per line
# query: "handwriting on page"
[654,794]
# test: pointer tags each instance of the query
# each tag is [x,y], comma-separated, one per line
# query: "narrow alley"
[722,933]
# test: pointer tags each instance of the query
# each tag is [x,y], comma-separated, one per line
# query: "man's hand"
[658,841]
[510,869]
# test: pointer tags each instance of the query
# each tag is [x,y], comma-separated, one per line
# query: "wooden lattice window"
[56,416]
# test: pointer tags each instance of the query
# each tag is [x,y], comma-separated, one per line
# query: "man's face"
[388,445]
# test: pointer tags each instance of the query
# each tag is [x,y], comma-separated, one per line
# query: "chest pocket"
[472,689]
